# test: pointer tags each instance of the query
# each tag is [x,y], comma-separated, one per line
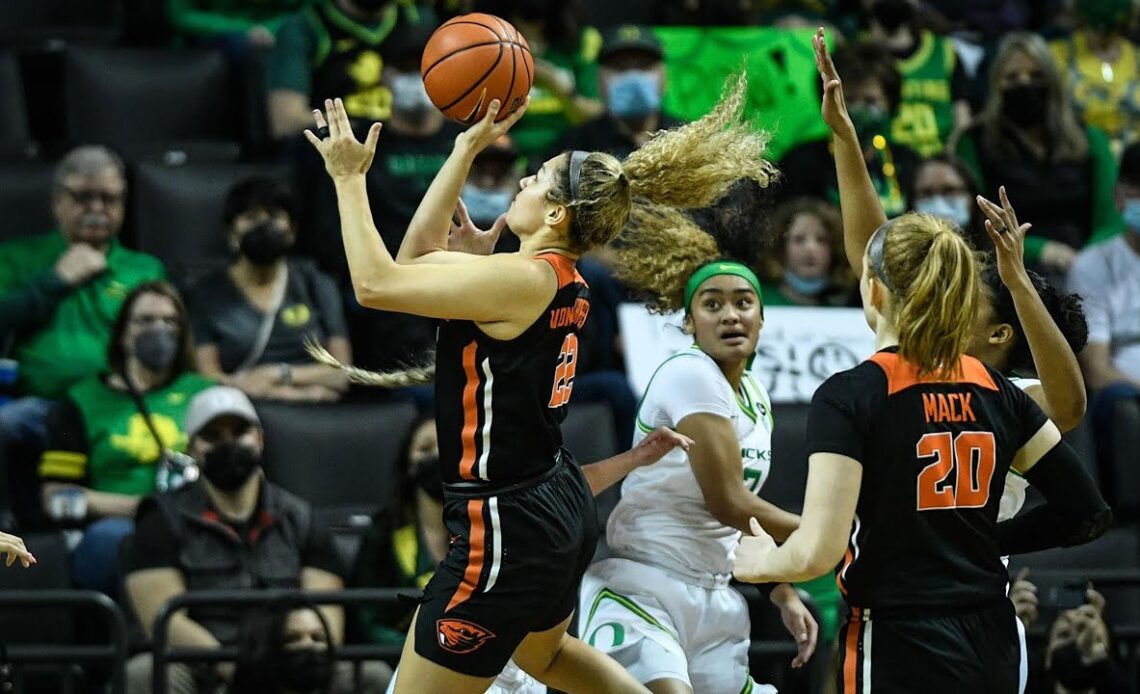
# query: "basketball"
[473,59]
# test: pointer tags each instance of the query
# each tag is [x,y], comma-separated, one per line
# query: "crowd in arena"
[171,255]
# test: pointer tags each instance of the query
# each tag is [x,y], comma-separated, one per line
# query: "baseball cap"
[215,402]
[629,37]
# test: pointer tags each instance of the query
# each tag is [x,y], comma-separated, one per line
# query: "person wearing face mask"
[945,187]
[934,102]
[1101,67]
[1029,139]
[873,89]
[336,48]
[491,187]
[251,319]
[286,649]
[805,266]
[107,440]
[631,80]
[1107,275]
[229,529]
[59,295]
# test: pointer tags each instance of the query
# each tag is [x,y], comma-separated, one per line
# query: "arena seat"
[25,197]
[177,213]
[145,101]
[39,22]
[47,625]
[15,134]
[1123,459]
[341,458]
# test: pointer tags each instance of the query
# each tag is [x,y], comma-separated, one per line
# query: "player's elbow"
[1069,415]
[821,555]
[1095,524]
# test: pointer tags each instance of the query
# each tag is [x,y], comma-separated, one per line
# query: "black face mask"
[306,670]
[1068,669]
[156,348]
[429,477]
[1024,104]
[265,243]
[228,465]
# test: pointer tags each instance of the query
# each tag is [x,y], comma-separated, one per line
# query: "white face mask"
[954,208]
[409,97]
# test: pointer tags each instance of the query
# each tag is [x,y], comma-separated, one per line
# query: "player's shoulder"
[864,378]
[685,365]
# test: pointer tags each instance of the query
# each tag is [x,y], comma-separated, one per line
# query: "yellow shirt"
[1105,93]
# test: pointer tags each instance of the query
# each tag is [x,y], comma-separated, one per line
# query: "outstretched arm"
[497,288]
[427,233]
[605,473]
[1062,394]
[862,210]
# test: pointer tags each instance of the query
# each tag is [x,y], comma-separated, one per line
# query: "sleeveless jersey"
[662,518]
[500,403]
[349,57]
[935,456]
[926,113]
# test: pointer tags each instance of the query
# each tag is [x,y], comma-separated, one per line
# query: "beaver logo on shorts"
[460,636]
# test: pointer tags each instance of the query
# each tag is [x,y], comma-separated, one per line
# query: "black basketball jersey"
[935,455]
[500,403]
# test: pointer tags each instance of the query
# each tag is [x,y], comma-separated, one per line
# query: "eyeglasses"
[87,197]
[147,319]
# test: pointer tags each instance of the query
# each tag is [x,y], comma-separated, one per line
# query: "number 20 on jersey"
[960,473]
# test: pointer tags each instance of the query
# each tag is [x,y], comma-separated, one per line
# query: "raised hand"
[833,107]
[344,155]
[465,237]
[752,554]
[1008,237]
[479,136]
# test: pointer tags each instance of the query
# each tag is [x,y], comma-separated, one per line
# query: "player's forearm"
[789,563]
[605,473]
[368,259]
[736,512]
[859,203]
[1054,361]
[429,227]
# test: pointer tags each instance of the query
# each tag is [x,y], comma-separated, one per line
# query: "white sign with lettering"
[799,347]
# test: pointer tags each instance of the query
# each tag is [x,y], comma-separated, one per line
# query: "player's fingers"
[333,122]
[319,118]
[1011,216]
[461,212]
[342,118]
[510,120]
[313,139]
[373,137]
[500,224]
[754,526]
[492,112]
[11,558]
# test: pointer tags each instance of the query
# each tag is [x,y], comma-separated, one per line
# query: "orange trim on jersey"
[474,555]
[901,374]
[470,413]
[564,268]
[851,651]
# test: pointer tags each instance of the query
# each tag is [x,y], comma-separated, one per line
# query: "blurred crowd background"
[165,229]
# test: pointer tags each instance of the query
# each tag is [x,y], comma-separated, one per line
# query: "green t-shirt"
[104,441]
[783,96]
[209,18]
[71,343]
[926,114]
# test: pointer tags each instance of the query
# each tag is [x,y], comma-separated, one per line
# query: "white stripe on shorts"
[496,542]
[490,381]
[867,657]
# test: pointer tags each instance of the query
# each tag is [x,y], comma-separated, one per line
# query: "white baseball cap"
[215,402]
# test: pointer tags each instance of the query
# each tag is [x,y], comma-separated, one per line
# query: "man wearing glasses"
[59,295]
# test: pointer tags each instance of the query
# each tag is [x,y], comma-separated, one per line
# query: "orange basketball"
[473,59]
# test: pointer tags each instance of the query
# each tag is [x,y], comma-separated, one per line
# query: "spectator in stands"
[945,187]
[231,529]
[1028,138]
[1107,275]
[251,320]
[236,25]
[631,79]
[807,265]
[1079,657]
[565,91]
[115,432]
[491,187]
[934,84]
[59,294]
[15,549]
[1101,67]
[286,649]
[873,89]
[335,48]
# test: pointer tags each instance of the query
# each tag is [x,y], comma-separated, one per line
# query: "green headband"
[720,267]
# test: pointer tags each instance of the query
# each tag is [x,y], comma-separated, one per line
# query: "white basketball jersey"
[662,519]
[1013,498]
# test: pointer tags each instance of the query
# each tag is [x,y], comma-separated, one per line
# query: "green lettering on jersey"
[752,479]
[618,637]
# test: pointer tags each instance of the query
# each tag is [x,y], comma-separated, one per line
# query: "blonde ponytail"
[416,375]
[934,278]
